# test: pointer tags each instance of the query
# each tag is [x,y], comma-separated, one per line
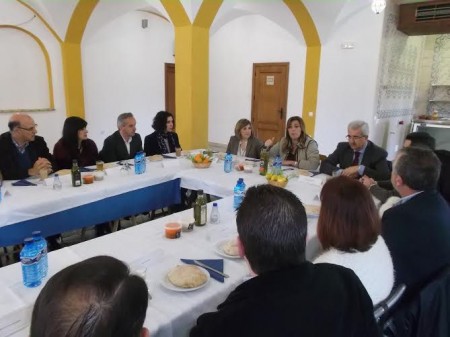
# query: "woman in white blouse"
[349,230]
[244,143]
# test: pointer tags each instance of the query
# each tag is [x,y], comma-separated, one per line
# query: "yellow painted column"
[192,70]
[312,63]
[71,58]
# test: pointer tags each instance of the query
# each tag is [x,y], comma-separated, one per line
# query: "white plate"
[168,285]
[218,248]
[305,173]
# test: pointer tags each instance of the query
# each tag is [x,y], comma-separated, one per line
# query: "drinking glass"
[43,174]
[99,165]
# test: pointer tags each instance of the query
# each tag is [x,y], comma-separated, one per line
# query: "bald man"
[22,153]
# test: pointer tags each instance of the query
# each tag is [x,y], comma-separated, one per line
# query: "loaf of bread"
[231,248]
[187,276]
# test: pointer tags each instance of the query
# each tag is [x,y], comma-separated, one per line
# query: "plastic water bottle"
[228,163]
[57,182]
[139,163]
[42,245]
[277,163]
[30,260]
[239,191]
[215,216]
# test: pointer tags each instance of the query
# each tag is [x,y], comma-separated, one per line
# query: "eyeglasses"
[31,128]
[354,137]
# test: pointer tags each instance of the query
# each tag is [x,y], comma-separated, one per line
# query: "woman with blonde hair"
[296,148]
[244,143]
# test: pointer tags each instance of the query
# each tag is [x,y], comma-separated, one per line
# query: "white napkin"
[311,180]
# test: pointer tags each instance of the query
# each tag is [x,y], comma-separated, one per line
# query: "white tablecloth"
[170,314]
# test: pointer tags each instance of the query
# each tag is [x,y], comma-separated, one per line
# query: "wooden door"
[169,71]
[270,87]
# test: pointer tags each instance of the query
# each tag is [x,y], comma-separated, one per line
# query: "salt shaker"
[215,216]
[56,182]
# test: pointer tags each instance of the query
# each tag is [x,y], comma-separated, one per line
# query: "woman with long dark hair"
[164,139]
[75,144]
[296,148]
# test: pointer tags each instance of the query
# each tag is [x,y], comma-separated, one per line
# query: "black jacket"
[152,147]
[9,166]
[319,300]
[374,160]
[114,148]
[417,234]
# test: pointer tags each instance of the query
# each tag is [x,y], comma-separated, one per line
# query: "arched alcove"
[26,81]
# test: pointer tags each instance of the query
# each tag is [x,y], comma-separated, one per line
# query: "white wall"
[26,87]
[348,77]
[49,122]
[123,71]
[233,50]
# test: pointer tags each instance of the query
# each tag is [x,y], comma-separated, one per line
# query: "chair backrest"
[425,312]
[382,309]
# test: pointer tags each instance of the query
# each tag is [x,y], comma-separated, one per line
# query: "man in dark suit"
[357,157]
[22,153]
[417,229]
[124,143]
[288,296]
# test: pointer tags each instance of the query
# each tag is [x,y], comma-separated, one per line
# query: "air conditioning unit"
[424,18]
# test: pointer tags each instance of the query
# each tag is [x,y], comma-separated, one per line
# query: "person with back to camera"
[349,230]
[164,139]
[417,228]
[96,297]
[296,148]
[288,296]
[244,143]
[75,144]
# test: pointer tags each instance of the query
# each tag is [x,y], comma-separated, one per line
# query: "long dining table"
[144,247]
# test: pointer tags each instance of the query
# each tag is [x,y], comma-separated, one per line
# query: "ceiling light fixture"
[378,6]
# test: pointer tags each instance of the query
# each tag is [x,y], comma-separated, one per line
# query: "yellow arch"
[71,52]
[46,57]
[312,64]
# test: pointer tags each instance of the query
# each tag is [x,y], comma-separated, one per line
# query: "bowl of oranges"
[279,180]
[201,160]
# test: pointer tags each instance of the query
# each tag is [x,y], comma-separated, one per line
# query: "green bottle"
[264,163]
[76,174]
[200,210]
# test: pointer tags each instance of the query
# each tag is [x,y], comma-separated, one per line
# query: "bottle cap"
[200,191]
[240,180]
[56,175]
[214,203]
[35,233]
[28,240]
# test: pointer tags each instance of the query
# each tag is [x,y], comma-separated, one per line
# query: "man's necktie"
[356,158]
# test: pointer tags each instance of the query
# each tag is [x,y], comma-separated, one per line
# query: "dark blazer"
[9,166]
[308,300]
[114,148]
[151,145]
[253,150]
[417,234]
[374,160]
[444,178]
[64,155]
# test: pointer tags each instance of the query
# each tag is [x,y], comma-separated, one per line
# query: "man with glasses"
[22,153]
[357,157]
